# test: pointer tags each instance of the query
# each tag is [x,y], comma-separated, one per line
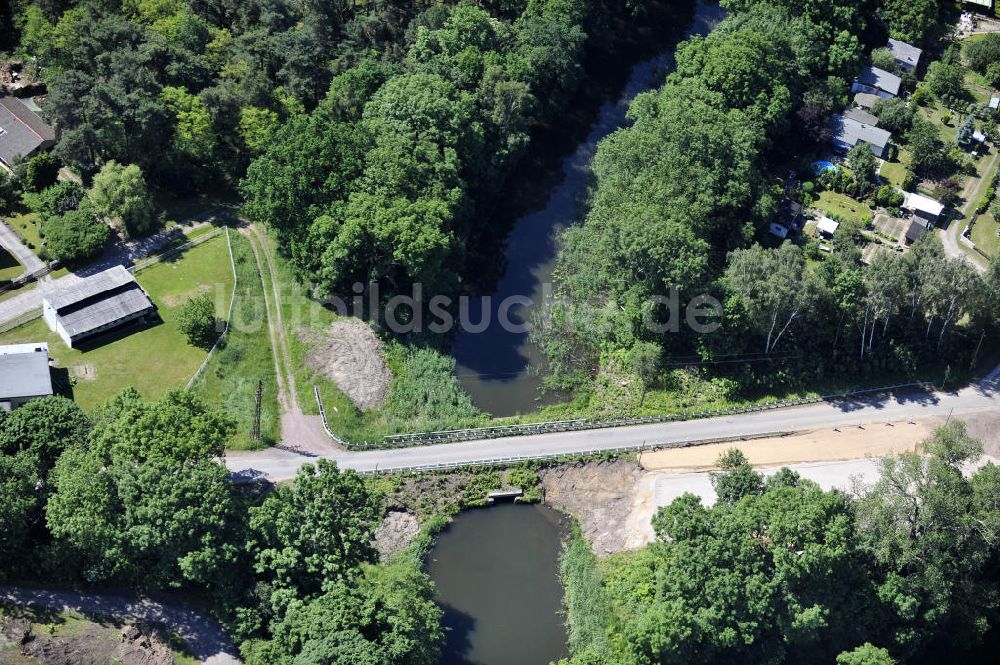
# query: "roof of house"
[879,78]
[865,100]
[827,225]
[923,204]
[24,371]
[98,301]
[904,52]
[850,131]
[862,116]
[88,287]
[21,130]
[981,3]
[915,231]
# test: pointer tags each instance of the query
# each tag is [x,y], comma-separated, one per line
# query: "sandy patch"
[601,495]
[846,443]
[84,372]
[351,356]
[181,298]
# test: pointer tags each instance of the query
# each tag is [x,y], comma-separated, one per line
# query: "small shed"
[24,374]
[995,102]
[826,227]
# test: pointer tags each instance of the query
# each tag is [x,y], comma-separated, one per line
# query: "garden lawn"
[154,359]
[28,225]
[9,267]
[894,172]
[842,208]
[984,234]
[229,380]
[934,113]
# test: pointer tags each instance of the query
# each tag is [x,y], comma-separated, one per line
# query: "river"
[497,575]
[498,367]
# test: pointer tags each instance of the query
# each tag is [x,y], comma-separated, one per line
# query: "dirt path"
[299,432]
[972,193]
[204,637]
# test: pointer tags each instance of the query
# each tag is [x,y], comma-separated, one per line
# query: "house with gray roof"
[24,374]
[877,81]
[848,132]
[907,56]
[22,132]
[97,304]
[861,116]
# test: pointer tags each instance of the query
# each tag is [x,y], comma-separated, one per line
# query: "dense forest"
[133,497]
[683,196]
[902,569]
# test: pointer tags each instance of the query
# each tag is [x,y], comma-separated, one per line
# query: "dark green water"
[497,575]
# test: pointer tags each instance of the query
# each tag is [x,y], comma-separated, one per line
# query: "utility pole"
[255,435]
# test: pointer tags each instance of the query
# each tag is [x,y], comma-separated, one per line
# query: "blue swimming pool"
[823,165]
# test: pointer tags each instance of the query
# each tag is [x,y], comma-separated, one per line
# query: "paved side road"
[282,464]
[10,241]
[205,638]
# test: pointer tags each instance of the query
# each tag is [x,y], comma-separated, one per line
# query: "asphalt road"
[12,243]
[874,411]
[205,638]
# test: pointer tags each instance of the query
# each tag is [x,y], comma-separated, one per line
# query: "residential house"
[24,374]
[924,215]
[848,132]
[97,304]
[923,207]
[877,81]
[22,132]
[907,56]
[788,219]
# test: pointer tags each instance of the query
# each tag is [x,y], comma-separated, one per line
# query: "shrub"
[56,200]
[38,172]
[75,236]
[196,320]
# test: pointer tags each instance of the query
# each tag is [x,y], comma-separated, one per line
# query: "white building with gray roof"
[95,305]
[24,374]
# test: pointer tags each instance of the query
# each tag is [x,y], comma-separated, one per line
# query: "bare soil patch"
[395,533]
[181,298]
[76,641]
[601,496]
[350,355]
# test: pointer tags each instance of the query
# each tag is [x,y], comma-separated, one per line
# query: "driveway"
[205,638]
[277,464]
[972,193]
[11,242]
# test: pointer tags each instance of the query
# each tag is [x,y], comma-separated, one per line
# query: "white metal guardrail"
[500,431]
